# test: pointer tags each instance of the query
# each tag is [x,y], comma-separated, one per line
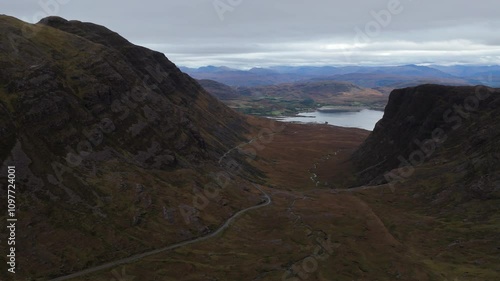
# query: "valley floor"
[315,229]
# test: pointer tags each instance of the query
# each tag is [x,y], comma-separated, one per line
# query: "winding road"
[168,248]
[243,145]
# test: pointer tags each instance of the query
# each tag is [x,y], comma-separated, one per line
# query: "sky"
[262,33]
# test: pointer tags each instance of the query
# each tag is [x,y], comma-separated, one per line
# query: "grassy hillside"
[287,99]
[109,140]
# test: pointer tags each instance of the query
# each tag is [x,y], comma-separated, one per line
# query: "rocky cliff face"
[437,125]
[61,74]
[108,140]
[434,161]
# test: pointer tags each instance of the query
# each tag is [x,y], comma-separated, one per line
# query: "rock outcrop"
[432,123]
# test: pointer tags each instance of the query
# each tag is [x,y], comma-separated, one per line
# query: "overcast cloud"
[248,33]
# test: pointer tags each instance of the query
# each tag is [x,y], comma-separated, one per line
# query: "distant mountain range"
[367,76]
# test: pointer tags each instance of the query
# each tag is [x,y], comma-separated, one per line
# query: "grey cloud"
[268,32]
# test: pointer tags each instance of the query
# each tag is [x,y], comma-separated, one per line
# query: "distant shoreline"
[339,109]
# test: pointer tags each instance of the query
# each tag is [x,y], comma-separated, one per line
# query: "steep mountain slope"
[433,166]
[427,116]
[112,144]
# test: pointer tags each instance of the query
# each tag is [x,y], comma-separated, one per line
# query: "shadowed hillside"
[433,163]
[108,140]
[436,120]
